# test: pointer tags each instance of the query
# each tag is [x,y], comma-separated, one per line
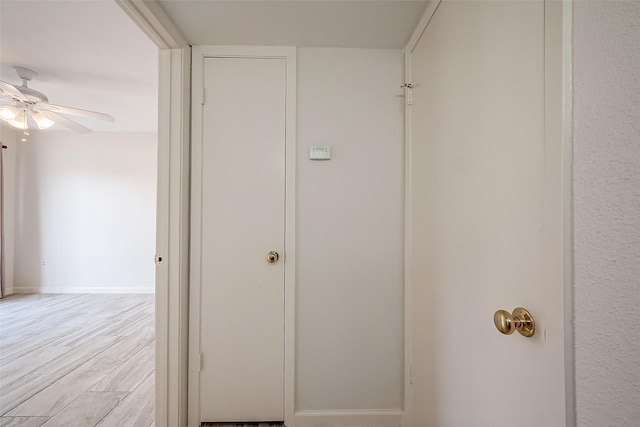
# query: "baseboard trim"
[81,290]
[362,418]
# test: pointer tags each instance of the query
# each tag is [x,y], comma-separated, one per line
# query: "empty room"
[80,180]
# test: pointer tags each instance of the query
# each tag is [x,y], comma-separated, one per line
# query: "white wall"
[606,43]
[10,138]
[349,332]
[86,205]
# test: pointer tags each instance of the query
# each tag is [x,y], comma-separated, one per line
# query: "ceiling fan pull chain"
[25,133]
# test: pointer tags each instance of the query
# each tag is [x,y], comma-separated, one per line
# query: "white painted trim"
[368,418]
[199,54]
[81,290]
[558,138]
[195,277]
[290,236]
[154,22]
[243,52]
[568,211]
[422,25]
[408,306]
[163,213]
[172,241]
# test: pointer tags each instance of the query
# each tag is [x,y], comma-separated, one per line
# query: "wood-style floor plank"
[87,410]
[22,343]
[19,302]
[77,360]
[127,347]
[76,357]
[54,398]
[15,393]
[22,421]
[136,410]
[130,374]
[30,362]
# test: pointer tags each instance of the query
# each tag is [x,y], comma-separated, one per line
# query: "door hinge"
[410,374]
[200,362]
[408,87]
[204,95]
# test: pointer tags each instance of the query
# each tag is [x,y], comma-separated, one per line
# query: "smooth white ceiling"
[89,55]
[384,24]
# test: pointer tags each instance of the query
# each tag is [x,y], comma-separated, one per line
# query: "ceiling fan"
[28,106]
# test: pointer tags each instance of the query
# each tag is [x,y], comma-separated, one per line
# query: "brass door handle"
[520,320]
[272,257]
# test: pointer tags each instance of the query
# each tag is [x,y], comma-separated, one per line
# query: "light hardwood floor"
[77,360]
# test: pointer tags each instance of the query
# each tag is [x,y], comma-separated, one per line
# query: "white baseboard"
[361,418]
[81,290]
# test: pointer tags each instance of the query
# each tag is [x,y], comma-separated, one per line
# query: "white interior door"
[243,218]
[486,217]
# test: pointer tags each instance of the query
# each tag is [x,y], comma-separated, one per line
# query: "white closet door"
[486,215]
[243,219]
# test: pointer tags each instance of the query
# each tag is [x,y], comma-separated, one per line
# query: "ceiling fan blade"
[65,122]
[11,91]
[75,111]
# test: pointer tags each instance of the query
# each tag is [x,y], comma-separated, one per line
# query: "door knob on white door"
[272,257]
[520,320]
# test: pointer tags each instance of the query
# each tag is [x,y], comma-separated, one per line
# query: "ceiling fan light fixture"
[42,121]
[33,106]
[9,112]
[20,122]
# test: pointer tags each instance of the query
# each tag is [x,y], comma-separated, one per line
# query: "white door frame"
[172,273]
[172,235]
[558,126]
[199,55]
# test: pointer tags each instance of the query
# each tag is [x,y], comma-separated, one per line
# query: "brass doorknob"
[520,320]
[272,257]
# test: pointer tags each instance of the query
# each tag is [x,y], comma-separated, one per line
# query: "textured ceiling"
[384,24]
[89,55]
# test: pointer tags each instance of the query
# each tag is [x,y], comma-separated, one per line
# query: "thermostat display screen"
[320,152]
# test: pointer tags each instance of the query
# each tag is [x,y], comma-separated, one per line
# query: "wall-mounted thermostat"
[320,152]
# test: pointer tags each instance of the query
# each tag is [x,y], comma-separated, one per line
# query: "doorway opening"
[77,330]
